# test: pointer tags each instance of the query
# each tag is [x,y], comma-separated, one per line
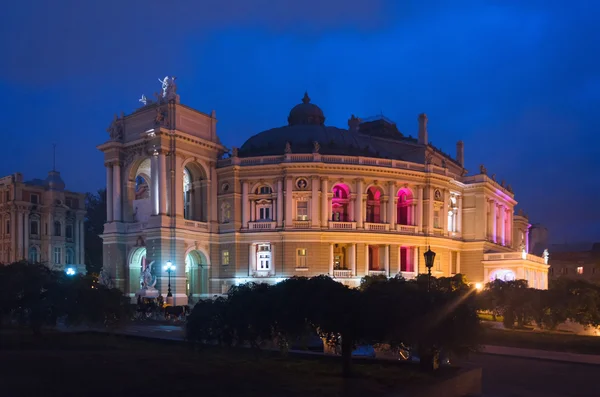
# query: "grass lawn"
[555,341]
[62,364]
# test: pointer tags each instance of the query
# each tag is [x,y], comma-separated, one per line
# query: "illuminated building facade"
[300,200]
[41,222]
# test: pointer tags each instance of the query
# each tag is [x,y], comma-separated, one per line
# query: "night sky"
[518,83]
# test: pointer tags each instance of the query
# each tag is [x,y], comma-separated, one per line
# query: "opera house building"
[303,199]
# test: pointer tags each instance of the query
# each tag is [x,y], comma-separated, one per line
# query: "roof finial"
[306,98]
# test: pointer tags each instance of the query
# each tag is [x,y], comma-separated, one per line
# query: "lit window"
[225,257]
[57,255]
[302,210]
[301,255]
[263,257]
[580,270]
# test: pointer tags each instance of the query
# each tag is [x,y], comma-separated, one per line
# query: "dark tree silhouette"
[95,219]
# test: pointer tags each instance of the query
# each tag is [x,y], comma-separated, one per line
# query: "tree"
[95,219]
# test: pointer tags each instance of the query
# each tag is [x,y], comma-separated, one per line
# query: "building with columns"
[300,200]
[41,222]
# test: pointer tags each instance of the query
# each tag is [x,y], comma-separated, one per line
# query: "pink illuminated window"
[580,270]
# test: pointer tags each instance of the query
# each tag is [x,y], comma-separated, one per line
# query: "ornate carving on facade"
[316,147]
[161,118]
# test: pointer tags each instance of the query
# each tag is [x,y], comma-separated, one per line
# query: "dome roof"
[306,113]
[54,181]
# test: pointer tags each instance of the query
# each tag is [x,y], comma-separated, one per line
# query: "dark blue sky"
[519,83]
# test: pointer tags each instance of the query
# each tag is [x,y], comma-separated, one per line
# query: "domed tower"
[54,181]
[306,113]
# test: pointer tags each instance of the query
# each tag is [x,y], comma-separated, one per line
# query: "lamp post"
[429,258]
[169,268]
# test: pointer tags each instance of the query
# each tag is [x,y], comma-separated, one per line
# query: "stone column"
[213,188]
[351,205]
[392,205]
[383,213]
[280,214]
[359,216]
[246,206]
[386,260]
[399,264]
[117,195]
[420,210]
[252,211]
[502,225]
[415,260]
[19,230]
[162,183]
[352,258]
[109,193]
[331,259]
[154,189]
[314,202]
[324,201]
[82,242]
[366,259]
[459,215]
[527,240]
[444,212]
[26,235]
[430,210]
[494,221]
[252,260]
[457,262]
[289,202]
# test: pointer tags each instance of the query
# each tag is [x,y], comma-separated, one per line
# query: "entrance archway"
[197,273]
[137,263]
[503,274]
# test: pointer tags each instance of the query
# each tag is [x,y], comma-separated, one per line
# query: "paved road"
[502,376]
[523,377]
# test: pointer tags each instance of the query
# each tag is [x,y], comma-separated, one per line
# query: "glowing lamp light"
[169,266]
[478,286]
[70,271]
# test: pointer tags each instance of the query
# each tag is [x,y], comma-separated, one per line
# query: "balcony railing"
[342,225]
[342,273]
[377,273]
[377,227]
[407,229]
[505,256]
[298,224]
[262,225]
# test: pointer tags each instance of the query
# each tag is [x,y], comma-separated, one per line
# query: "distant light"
[478,286]
[169,266]
[70,271]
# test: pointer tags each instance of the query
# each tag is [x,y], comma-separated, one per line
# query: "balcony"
[342,225]
[342,273]
[408,229]
[262,225]
[298,224]
[503,256]
[193,225]
[377,273]
[377,227]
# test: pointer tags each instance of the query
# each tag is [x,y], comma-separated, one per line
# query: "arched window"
[57,228]
[374,204]
[34,255]
[142,190]
[69,257]
[452,211]
[187,194]
[403,208]
[339,203]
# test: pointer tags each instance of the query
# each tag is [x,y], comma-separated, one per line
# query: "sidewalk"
[541,354]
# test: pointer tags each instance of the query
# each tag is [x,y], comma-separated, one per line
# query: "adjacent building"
[577,265]
[303,199]
[41,222]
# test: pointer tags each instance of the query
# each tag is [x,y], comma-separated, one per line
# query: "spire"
[306,98]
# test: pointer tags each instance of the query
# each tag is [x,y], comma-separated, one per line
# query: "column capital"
[324,179]
[357,180]
[315,177]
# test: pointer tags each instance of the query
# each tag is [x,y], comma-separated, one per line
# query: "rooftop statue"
[169,88]
[115,130]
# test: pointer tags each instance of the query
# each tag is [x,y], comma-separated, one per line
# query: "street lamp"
[429,258]
[70,271]
[169,268]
